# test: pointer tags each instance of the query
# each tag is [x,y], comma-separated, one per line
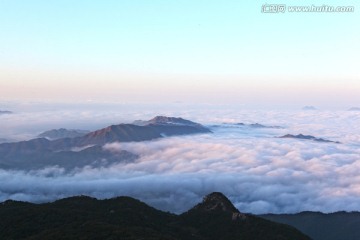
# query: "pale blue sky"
[146,50]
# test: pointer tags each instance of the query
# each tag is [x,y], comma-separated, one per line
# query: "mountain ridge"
[54,134]
[83,217]
[308,137]
[5,112]
[42,152]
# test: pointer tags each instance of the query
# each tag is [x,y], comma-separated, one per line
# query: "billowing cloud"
[259,172]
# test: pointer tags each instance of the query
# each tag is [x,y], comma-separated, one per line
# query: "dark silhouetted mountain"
[127,218]
[62,133]
[6,112]
[321,226]
[215,201]
[309,108]
[217,218]
[42,152]
[307,137]
[354,109]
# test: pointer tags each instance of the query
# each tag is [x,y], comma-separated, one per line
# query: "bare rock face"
[216,201]
[216,218]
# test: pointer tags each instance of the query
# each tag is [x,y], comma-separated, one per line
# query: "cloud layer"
[259,173]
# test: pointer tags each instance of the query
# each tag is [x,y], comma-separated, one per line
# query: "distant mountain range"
[258,125]
[170,121]
[354,109]
[5,112]
[215,218]
[311,108]
[62,133]
[250,125]
[307,137]
[86,150]
[321,226]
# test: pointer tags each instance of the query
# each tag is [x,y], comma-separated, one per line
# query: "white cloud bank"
[259,173]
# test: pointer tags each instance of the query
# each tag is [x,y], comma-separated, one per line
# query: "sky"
[89,64]
[190,51]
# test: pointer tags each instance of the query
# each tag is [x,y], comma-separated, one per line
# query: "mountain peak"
[164,120]
[114,218]
[62,133]
[216,201]
[311,108]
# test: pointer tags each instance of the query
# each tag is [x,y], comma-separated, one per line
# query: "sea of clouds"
[259,172]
